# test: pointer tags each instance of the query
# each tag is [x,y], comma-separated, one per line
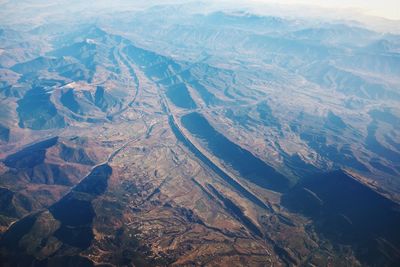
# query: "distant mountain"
[193,135]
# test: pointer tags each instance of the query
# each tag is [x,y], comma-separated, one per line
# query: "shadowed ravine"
[198,133]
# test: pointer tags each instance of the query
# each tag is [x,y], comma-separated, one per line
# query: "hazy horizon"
[372,15]
[389,9]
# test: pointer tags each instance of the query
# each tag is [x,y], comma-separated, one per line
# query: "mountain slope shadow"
[350,213]
[75,211]
[75,214]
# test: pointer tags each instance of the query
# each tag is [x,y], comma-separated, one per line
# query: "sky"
[389,9]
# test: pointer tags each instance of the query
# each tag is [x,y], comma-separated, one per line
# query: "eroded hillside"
[231,139]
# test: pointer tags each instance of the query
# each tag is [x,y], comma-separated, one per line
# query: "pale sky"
[383,8]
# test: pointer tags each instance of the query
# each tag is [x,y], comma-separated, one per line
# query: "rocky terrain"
[179,135]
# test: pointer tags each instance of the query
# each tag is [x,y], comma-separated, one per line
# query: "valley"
[213,138]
